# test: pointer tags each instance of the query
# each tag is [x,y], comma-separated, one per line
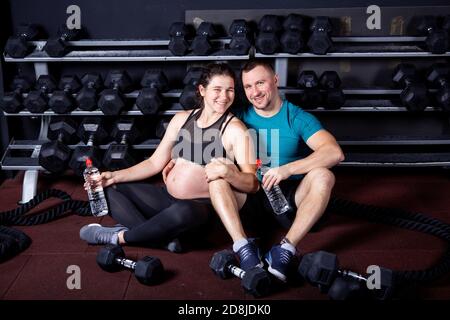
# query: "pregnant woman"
[195,140]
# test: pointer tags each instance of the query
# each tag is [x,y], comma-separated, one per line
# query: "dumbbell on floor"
[334,97]
[322,269]
[87,97]
[291,40]
[117,156]
[37,100]
[148,270]
[439,76]
[57,46]
[111,100]
[320,42]
[414,95]
[62,100]
[267,41]
[91,132]
[240,37]
[17,46]
[255,281]
[201,44]
[178,33]
[309,82]
[12,102]
[188,98]
[436,40]
[149,100]
[54,155]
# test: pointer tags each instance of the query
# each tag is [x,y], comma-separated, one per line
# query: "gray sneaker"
[94,233]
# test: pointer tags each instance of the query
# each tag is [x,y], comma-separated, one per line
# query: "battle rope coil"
[13,241]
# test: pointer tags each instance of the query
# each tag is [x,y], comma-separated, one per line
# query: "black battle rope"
[13,241]
[407,220]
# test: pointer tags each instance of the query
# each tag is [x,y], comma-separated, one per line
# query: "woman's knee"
[189,213]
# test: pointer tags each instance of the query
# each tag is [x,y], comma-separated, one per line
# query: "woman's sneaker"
[279,259]
[94,233]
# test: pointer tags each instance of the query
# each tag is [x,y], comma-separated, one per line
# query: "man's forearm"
[243,181]
[324,157]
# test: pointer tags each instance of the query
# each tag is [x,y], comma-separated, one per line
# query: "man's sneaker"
[249,256]
[94,233]
[278,260]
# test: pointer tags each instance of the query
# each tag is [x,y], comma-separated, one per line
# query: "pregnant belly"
[187,180]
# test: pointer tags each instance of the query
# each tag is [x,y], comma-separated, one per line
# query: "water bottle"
[275,195]
[97,199]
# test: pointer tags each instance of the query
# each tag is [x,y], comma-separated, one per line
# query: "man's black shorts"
[257,204]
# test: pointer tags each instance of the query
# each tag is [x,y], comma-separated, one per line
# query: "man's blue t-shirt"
[281,138]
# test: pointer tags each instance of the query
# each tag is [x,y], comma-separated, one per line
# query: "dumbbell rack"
[155,50]
[113,50]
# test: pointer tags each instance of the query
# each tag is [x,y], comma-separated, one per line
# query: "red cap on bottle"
[258,163]
[88,162]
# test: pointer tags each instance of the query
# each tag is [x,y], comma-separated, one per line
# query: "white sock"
[289,247]
[239,244]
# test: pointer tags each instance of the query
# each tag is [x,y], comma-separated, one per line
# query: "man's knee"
[321,178]
[219,185]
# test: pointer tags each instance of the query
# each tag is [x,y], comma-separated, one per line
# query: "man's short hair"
[252,64]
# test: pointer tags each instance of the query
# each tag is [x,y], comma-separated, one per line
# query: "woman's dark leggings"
[153,216]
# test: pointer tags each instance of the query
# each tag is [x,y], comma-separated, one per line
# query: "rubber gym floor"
[40,272]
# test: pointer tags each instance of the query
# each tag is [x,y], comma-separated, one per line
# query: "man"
[306,182]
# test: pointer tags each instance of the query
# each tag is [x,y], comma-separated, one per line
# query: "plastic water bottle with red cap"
[97,199]
[275,195]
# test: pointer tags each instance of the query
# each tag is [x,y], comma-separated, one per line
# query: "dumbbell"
[149,100]
[309,82]
[161,128]
[188,98]
[37,100]
[436,40]
[54,155]
[12,101]
[178,33]
[87,97]
[62,100]
[439,77]
[255,281]
[91,131]
[320,42]
[414,95]
[111,101]
[201,45]
[117,156]
[291,40]
[240,37]
[17,46]
[57,46]
[321,269]
[267,41]
[334,97]
[148,270]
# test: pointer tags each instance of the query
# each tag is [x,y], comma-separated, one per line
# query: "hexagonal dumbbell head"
[414,96]
[57,46]
[62,100]
[63,129]
[319,268]
[117,156]
[201,45]
[320,41]
[256,281]
[438,76]
[188,98]
[291,40]
[12,101]
[307,79]
[404,73]
[161,128]
[220,261]
[149,100]
[17,46]
[149,270]
[437,40]
[125,131]
[178,44]
[334,96]
[111,101]
[267,41]
[346,288]
[240,37]
[36,101]
[106,258]
[87,97]
[330,80]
